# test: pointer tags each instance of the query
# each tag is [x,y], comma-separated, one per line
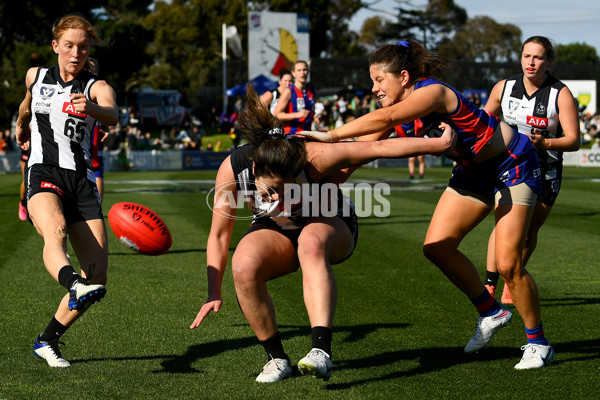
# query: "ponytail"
[273,154]
[409,55]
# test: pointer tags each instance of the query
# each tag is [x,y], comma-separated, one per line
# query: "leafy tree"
[445,17]
[31,21]
[177,43]
[429,25]
[576,53]
[25,38]
[121,25]
[186,48]
[407,25]
[117,8]
[371,27]
[187,42]
[482,39]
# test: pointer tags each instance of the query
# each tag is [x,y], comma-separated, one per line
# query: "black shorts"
[78,195]
[551,180]
[351,222]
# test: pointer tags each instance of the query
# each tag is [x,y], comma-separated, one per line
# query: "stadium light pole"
[231,37]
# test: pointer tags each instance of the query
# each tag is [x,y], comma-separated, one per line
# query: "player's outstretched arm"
[433,98]
[217,248]
[330,158]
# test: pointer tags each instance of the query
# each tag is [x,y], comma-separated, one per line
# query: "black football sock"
[274,347]
[491,278]
[53,331]
[68,277]
[321,338]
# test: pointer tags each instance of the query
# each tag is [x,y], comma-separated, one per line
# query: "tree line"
[177,44]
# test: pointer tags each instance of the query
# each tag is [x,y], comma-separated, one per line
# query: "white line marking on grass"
[164,182]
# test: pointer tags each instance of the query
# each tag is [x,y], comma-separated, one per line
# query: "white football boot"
[316,363]
[275,370]
[50,352]
[81,294]
[487,328]
[535,356]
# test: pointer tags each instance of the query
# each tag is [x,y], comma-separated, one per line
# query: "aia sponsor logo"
[537,122]
[69,108]
[48,185]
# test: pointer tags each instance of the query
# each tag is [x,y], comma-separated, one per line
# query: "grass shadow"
[435,359]
[182,364]
[430,359]
[568,301]
[585,350]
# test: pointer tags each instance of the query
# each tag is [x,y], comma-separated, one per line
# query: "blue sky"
[562,21]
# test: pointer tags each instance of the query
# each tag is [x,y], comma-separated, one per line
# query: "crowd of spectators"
[132,135]
[589,125]
[330,112]
[338,111]
[7,142]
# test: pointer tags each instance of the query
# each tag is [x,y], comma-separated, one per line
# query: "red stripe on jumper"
[516,168]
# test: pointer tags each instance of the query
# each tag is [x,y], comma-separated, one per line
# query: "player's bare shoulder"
[30,76]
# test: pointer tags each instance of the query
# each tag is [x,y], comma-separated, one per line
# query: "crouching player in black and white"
[283,238]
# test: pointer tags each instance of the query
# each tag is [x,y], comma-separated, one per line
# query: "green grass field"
[400,325]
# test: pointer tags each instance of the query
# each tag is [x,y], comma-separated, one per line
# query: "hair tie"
[403,43]
[276,132]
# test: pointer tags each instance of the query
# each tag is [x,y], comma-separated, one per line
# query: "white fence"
[157,160]
[154,160]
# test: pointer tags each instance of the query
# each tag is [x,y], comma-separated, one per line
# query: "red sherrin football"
[139,228]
